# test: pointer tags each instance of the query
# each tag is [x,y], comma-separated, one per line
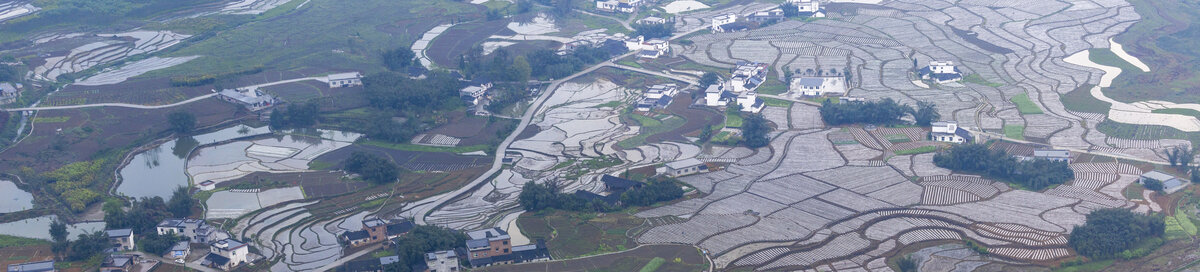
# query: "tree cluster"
[656,190]
[398,59]
[506,94]
[417,101]
[790,10]
[754,131]
[997,164]
[536,197]
[653,31]
[411,247]
[926,113]
[1109,232]
[881,112]
[181,122]
[154,243]
[296,116]
[1180,156]
[1152,184]
[541,63]
[373,168]
[142,217]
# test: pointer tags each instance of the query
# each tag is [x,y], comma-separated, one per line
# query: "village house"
[121,239]
[9,92]
[1058,155]
[207,185]
[657,97]
[623,6]
[720,22]
[750,102]
[747,76]
[441,261]
[774,14]
[475,93]
[950,132]
[685,167]
[652,21]
[179,251]
[1171,184]
[808,8]
[376,265]
[494,246]
[940,72]
[376,230]
[45,266]
[812,84]
[651,49]
[251,99]
[343,80]
[226,254]
[196,231]
[118,263]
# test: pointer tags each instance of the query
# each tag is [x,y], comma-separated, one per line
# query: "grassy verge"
[976,79]
[1081,100]
[653,265]
[1014,132]
[1086,267]
[919,150]
[609,104]
[1024,105]
[651,126]
[772,102]
[422,148]
[733,120]
[1186,112]
[772,87]
[1145,132]
[13,241]
[1133,191]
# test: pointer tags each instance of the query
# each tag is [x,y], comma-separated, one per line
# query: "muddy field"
[696,118]
[472,130]
[457,40]
[411,160]
[84,132]
[316,184]
[151,91]
[689,259]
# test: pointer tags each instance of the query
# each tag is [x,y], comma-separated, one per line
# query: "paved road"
[136,106]
[344,259]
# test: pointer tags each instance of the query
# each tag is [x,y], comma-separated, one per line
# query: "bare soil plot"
[456,41]
[697,119]
[411,160]
[473,130]
[110,127]
[316,184]
[633,260]
[146,91]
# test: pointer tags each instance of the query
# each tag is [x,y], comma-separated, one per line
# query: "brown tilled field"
[64,136]
[316,184]
[411,160]
[696,118]
[456,41]
[678,258]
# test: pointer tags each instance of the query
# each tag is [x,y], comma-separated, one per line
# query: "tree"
[1152,184]
[997,164]
[182,122]
[58,235]
[656,190]
[653,31]
[754,130]
[156,244]
[181,203]
[1195,175]
[880,112]
[1108,232]
[411,247]
[399,58]
[907,264]
[563,8]
[926,113]
[789,10]
[296,116]
[372,167]
[709,78]
[520,69]
[88,245]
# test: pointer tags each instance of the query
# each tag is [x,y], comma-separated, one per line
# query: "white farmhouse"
[652,48]
[750,102]
[719,22]
[345,80]
[472,94]
[226,254]
[652,21]
[817,86]
[940,72]
[950,132]
[714,95]
[808,8]
[747,76]
[685,167]
[624,6]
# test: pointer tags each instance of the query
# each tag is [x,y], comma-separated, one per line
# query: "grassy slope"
[308,37]
[1168,40]
[1024,105]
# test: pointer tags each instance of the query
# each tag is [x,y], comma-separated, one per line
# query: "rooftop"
[29,267]
[684,163]
[344,76]
[1052,153]
[7,88]
[180,246]
[119,233]
[117,261]
[228,244]
[488,233]
[1160,176]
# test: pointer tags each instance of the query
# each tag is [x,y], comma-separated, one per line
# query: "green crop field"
[1081,100]
[1024,105]
[1014,132]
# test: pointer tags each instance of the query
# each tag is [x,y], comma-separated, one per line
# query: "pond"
[158,171]
[13,199]
[38,228]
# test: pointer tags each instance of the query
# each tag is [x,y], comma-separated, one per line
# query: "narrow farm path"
[136,106]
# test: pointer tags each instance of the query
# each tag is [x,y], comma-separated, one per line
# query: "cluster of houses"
[9,92]
[657,97]
[730,22]
[224,253]
[648,49]
[622,6]
[475,96]
[815,83]
[740,88]
[941,72]
[485,247]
